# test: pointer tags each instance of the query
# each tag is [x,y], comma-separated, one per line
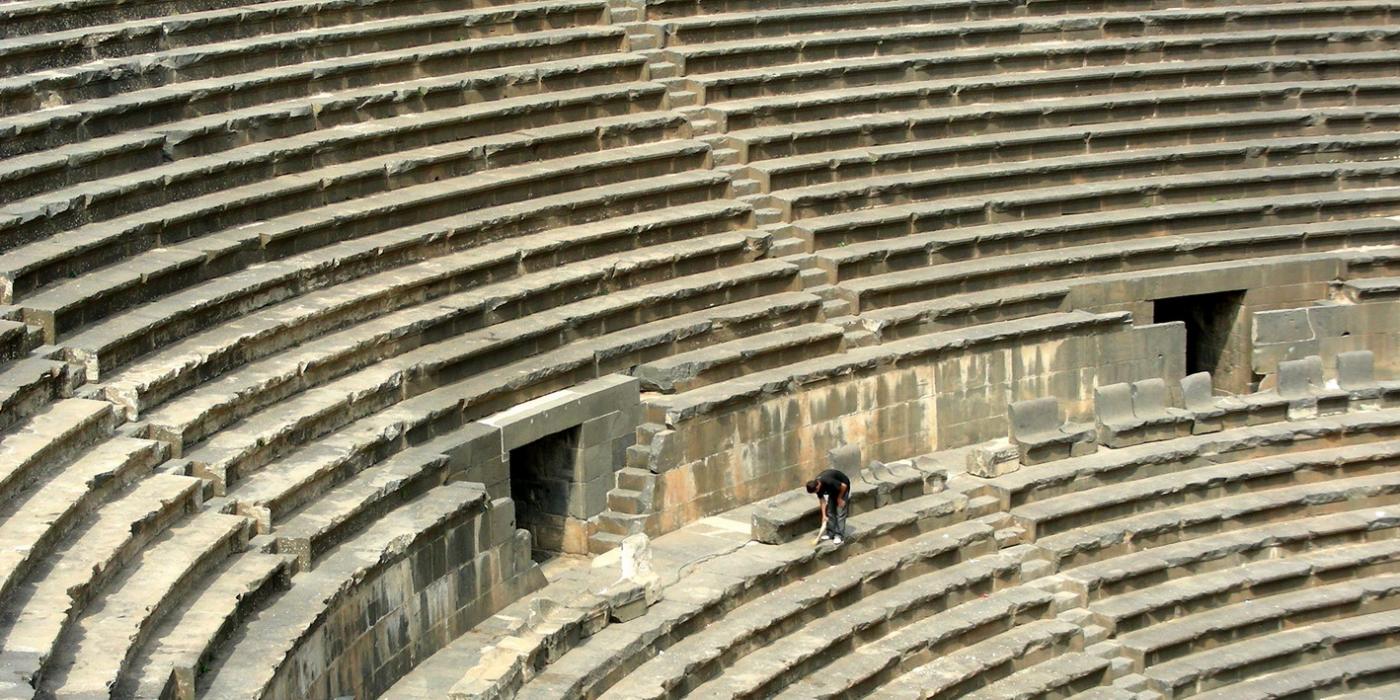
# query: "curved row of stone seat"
[37,16]
[1107,197]
[715,587]
[1237,156]
[106,128]
[769,656]
[448,381]
[492,291]
[67,582]
[1354,673]
[871,162]
[839,42]
[1149,460]
[184,323]
[464,33]
[129,36]
[1345,45]
[858,259]
[59,180]
[296,213]
[717,23]
[883,128]
[888,97]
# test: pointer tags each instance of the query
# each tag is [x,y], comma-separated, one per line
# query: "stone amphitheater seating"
[292,290]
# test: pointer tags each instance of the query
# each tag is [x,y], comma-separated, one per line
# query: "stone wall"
[400,607]
[1326,329]
[770,431]
[1267,285]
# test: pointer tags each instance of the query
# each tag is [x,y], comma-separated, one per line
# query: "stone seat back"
[1137,412]
[1302,384]
[1041,435]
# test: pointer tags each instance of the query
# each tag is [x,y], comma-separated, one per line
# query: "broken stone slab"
[993,459]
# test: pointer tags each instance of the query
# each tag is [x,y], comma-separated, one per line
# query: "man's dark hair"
[813,485]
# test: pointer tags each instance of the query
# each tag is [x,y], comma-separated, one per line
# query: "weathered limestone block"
[992,459]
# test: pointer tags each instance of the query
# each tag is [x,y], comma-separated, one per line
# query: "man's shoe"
[824,538]
[838,541]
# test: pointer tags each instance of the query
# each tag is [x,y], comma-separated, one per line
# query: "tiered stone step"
[715,363]
[345,155]
[49,440]
[1099,262]
[806,170]
[29,385]
[309,55]
[1109,467]
[178,652]
[108,636]
[916,248]
[253,443]
[289,214]
[1225,665]
[1349,673]
[356,502]
[806,649]
[1057,677]
[64,584]
[1163,642]
[204,354]
[290,26]
[865,65]
[188,132]
[1091,82]
[1070,512]
[33,524]
[1130,611]
[882,660]
[194,416]
[865,193]
[764,143]
[718,586]
[844,42]
[955,674]
[1350,537]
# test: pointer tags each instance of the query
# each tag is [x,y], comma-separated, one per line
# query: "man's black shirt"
[829,483]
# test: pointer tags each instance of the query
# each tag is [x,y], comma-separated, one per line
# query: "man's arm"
[841,496]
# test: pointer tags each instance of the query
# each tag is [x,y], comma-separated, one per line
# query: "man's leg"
[841,519]
[833,523]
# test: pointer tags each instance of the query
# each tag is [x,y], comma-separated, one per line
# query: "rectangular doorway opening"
[1215,335]
[541,476]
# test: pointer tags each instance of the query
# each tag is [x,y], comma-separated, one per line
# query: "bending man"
[832,489]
